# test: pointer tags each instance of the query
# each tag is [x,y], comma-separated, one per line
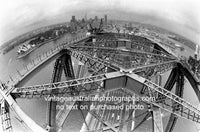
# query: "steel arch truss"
[140,60]
[123,59]
[182,107]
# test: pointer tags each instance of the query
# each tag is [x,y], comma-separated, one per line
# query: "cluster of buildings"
[78,24]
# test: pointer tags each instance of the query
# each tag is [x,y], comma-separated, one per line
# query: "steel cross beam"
[179,92]
[133,46]
[129,52]
[96,64]
[99,65]
[153,69]
[43,90]
[59,85]
[122,36]
[121,60]
[122,51]
[125,37]
[186,110]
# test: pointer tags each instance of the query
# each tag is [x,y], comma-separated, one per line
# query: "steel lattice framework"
[114,63]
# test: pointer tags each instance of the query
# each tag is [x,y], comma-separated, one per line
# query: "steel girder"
[189,69]
[179,79]
[21,116]
[129,52]
[123,59]
[51,105]
[61,115]
[98,65]
[171,101]
[5,117]
[171,79]
[154,69]
[45,89]
[137,42]
[99,69]
[130,46]
[67,66]
[187,110]
[191,79]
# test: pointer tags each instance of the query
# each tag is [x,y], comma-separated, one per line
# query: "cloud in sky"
[16,14]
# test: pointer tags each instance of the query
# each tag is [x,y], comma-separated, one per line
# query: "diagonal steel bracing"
[97,64]
[191,79]
[94,63]
[137,42]
[123,59]
[171,79]
[146,60]
[61,85]
[127,46]
[187,110]
[5,117]
[179,79]
[51,105]
[61,115]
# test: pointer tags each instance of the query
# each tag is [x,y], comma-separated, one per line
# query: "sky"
[20,16]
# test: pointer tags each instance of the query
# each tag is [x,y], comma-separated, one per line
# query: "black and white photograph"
[99,66]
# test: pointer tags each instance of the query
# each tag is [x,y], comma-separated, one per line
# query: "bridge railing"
[40,59]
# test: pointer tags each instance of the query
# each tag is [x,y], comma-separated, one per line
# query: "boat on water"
[25,49]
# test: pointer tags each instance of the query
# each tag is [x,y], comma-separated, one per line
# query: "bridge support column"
[51,105]
[62,114]
[51,125]
[157,115]
[80,70]
[157,120]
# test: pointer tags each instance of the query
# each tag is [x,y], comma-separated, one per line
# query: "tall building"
[96,18]
[105,19]
[73,19]
[86,17]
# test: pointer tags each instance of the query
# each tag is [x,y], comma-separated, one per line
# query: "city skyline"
[180,16]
